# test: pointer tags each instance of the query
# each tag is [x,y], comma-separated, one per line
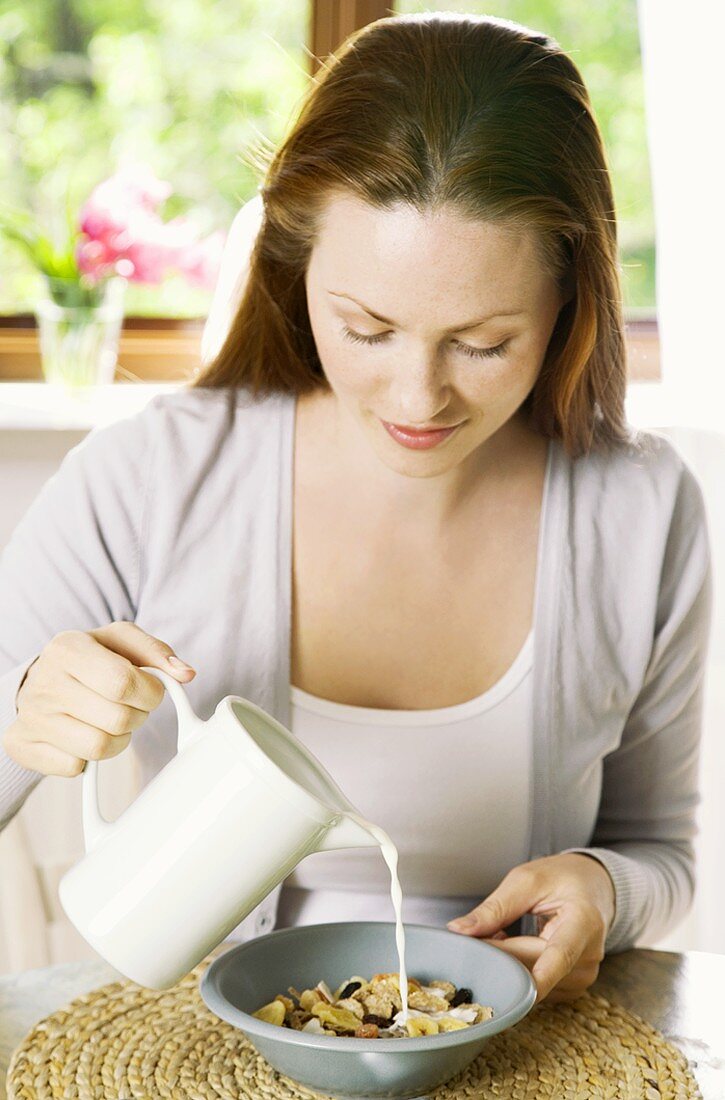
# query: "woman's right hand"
[85,694]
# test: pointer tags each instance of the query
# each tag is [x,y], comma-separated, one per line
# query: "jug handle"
[190,728]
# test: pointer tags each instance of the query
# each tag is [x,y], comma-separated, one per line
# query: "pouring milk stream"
[222,824]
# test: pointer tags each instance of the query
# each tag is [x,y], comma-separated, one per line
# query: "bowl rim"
[254,1026]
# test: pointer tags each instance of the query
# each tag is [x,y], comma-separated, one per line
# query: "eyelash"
[473,353]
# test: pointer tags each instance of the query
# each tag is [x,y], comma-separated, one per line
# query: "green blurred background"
[188,85]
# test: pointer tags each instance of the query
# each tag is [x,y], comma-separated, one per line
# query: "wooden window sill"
[165,350]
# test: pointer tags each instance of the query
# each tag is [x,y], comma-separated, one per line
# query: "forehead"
[377,253]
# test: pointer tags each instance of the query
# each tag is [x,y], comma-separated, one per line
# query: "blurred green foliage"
[189,86]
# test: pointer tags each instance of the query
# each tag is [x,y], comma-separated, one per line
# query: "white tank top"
[450,786]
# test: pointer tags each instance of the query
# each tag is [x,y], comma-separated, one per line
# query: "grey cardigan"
[179,518]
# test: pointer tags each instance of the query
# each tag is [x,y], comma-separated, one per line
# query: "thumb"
[133,643]
[506,904]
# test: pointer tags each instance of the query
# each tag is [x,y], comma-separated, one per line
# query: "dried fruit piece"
[367,1031]
[338,1018]
[421,1025]
[461,996]
[381,1021]
[308,998]
[289,1005]
[347,991]
[450,1023]
[273,1013]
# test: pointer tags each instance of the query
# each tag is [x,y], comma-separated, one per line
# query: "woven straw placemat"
[124,1041]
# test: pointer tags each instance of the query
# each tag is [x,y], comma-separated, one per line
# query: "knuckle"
[120,743]
[159,648]
[120,722]
[71,768]
[64,641]
[99,746]
[565,954]
[495,907]
[123,683]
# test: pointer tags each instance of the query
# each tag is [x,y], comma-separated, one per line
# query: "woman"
[491,632]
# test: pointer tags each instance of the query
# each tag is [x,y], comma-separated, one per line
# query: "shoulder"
[646,478]
[186,422]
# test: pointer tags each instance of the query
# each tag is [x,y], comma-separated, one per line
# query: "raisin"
[349,989]
[462,996]
[381,1021]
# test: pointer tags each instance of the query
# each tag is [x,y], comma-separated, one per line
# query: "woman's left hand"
[574,895]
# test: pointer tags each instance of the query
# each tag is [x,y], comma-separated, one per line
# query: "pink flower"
[124,234]
[201,262]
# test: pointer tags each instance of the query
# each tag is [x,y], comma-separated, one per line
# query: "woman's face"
[427,321]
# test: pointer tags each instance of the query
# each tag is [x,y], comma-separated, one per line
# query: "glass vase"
[79,329]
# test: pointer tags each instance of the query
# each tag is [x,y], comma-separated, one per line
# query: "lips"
[417,431]
[418,439]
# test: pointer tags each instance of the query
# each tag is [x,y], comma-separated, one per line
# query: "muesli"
[372,1009]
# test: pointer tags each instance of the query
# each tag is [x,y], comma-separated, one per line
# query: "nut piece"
[422,1025]
[483,1012]
[367,1031]
[273,1013]
[314,1025]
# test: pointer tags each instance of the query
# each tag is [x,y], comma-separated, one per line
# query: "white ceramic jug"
[241,803]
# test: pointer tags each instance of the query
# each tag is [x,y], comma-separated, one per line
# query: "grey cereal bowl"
[250,975]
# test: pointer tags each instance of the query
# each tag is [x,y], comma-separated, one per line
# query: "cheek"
[346,367]
[498,383]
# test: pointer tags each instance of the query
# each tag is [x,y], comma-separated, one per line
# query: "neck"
[426,505]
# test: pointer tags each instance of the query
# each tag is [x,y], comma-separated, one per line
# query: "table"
[680,994]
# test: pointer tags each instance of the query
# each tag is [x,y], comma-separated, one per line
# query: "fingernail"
[461,922]
[176,663]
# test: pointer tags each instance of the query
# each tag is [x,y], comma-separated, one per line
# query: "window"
[188,86]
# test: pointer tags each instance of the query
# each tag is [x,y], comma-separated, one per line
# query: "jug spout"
[346,833]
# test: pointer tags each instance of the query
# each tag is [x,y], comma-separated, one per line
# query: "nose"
[420,391]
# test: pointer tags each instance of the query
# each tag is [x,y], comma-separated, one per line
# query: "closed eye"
[466,349]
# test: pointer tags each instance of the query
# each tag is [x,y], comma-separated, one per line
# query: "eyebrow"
[456,328]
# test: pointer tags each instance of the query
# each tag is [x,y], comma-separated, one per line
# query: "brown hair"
[475,111]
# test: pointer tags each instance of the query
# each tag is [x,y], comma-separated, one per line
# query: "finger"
[507,903]
[527,949]
[40,756]
[130,641]
[79,739]
[88,706]
[563,950]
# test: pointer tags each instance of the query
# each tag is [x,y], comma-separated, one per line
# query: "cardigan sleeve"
[72,562]
[650,792]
